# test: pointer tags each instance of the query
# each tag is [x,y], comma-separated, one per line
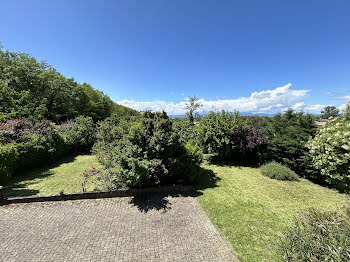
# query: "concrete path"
[118,229]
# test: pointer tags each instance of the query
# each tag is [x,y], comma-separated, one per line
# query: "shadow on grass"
[18,183]
[204,178]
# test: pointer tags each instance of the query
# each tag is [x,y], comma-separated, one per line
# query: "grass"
[65,175]
[252,211]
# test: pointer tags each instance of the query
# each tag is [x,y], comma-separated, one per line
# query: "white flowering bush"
[329,151]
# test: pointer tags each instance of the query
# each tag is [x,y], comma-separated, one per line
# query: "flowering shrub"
[15,130]
[24,145]
[105,180]
[330,153]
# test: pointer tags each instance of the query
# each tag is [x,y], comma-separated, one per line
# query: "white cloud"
[343,106]
[267,101]
[343,97]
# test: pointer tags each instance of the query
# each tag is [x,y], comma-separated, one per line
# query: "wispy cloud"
[347,98]
[267,101]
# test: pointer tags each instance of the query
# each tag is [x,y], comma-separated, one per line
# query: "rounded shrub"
[277,171]
[146,151]
[79,134]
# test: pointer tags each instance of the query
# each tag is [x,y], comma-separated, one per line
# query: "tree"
[330,111]
[35,90]
[287,135]
[146,151]
[215,131]
[192,105]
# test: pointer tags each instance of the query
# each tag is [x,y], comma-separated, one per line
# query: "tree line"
[35,90]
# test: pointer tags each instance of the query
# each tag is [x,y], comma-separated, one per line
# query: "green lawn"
[252,210]
[65,175]
[249,209]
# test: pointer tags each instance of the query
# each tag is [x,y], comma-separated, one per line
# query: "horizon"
[257,58]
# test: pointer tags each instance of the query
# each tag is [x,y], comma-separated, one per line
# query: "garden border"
[177,189]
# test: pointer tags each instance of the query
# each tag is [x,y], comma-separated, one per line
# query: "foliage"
[192,106]
[330,153]
[260,121]
[194,152]
[80,133]
[15,130]
[247,143]
[147,151]
[252,211]
[317,236]
[8,158]
[215,130]
[277,171]
[35,144]
[329,111]
[186,131]
[105,180]
[346,115]
[35,90]
[287,135]
[45,145]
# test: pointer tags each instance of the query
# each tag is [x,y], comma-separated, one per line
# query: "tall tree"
[329,111]
[192,106]
[35,90]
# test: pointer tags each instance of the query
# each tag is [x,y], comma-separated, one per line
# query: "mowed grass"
[252,211]
[66,175]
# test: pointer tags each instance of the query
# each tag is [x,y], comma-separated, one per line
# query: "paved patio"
[118,229]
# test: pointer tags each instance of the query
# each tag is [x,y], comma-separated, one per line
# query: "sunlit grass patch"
[252,211]
[64,175]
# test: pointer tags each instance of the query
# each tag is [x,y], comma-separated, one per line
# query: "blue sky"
[254,56]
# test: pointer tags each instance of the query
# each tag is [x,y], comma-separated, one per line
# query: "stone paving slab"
[151,229]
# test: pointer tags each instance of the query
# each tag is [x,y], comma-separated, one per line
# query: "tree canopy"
[329,111]
[35,90]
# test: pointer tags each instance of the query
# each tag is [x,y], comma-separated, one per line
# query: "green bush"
[45,145]
[29,146]
[287,136]
[317,236]
[277,171]
[330,153]
[79,134]
[147,151]
[187,131]
[8,159]
[215,131]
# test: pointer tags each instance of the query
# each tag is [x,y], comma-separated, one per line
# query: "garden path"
[153,228]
